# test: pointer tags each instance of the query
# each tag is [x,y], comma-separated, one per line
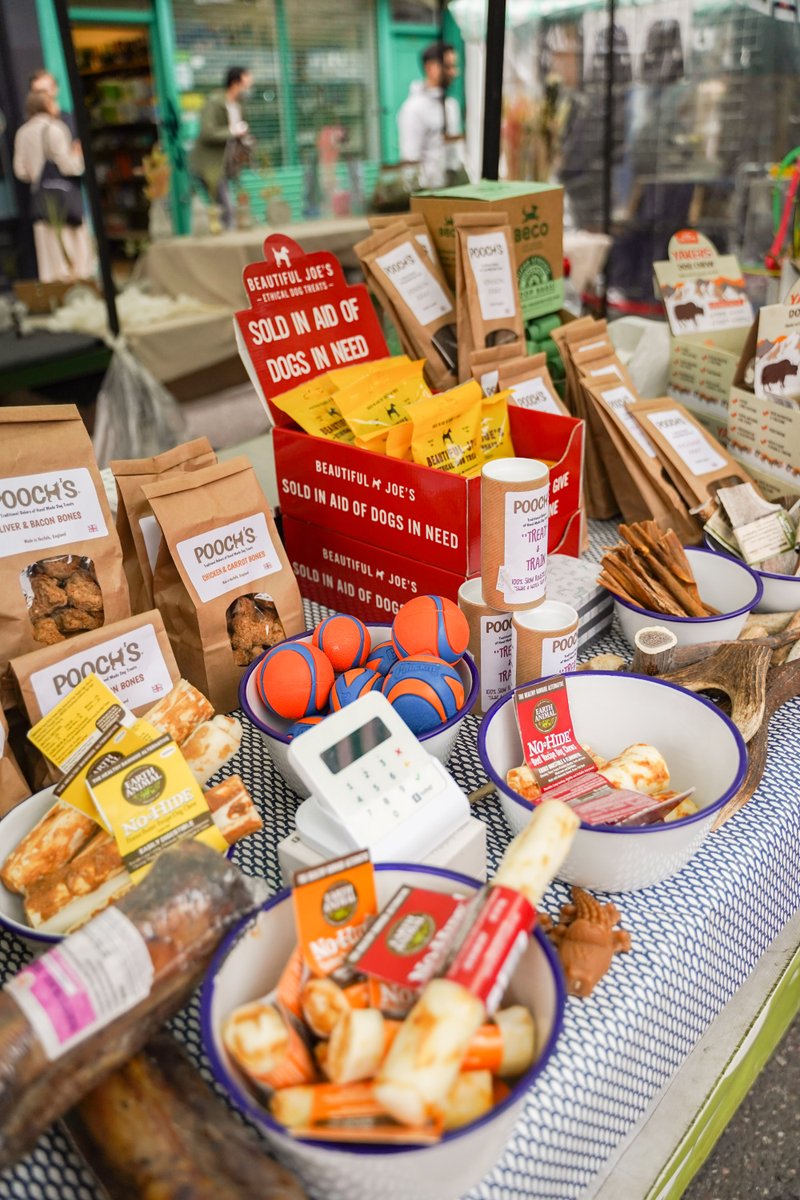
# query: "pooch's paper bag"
[132,657]
[222,582]
[60,559]
[13,787]
[138,529]
[488,303]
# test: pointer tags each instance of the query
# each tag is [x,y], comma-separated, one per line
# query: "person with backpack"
[47,158]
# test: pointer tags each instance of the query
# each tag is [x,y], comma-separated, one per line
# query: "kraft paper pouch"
[489,309]
[600,500]
[416,225]
[132,657]
[484,365]
[376,402]
[421,302]
[398,441]
[530,385]
[313,407]
[61,569]
[602,370]
[695,461]
[223,583]
[13,787]
[495,432]
[447,430]
[137,528]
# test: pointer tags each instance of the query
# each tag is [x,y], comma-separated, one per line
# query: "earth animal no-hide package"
[709,316]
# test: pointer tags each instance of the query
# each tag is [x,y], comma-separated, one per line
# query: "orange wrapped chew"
[266,1046]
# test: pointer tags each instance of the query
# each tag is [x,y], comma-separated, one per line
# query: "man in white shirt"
[429,121]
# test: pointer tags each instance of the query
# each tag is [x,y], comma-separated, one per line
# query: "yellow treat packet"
[447,430]
[495,431]
[111,747]
[398,441]
[373,404]
[315,410]
[68,730]
[150,800]
[342,377]
[377,444]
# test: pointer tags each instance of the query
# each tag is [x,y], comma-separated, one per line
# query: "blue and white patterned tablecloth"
[695,939]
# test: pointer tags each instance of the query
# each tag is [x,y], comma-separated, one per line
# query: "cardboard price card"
[702,290]
[304,319]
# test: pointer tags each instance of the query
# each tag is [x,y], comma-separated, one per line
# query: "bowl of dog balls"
[419,662]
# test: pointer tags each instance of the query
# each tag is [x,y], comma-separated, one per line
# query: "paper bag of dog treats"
[138,530]
[222,582]
[489,308]
[132,657]
[60,558]
[13,787]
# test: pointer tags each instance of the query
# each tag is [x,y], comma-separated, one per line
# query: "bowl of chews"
[697,595]
[745,526]
[674,749]
[335,1132]
[419,662]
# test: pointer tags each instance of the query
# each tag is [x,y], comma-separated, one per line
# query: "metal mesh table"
[696,938]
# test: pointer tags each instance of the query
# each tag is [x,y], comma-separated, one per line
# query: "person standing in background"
[429,121]
[43,82]
[61,238]
[213,157]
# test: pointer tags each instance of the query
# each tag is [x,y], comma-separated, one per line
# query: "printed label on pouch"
[498,927]
[535,394]
[132,666]
[523,576]
[560,653]
[418,287]
[48,510]
[229,556]
[498,655]
[490,382]
[489,260]
[151,532]
[618,400]
[84,984]
[687,441]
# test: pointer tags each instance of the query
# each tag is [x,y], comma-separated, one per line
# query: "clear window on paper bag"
[63,597]
[253,626]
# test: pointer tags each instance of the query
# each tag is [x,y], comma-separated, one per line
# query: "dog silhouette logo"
[282,258]
[447,436]
[392,410]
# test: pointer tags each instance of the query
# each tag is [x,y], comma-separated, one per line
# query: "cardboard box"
[350,575]
[709,317]
[430,516]
[536,213]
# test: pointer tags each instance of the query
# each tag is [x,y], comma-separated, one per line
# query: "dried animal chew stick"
[233,810]
[210,745]
[140,960]
[180,711]
[52,842]
[427,1053]
[666,567]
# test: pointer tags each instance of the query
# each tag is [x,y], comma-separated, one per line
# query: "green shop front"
[329,77]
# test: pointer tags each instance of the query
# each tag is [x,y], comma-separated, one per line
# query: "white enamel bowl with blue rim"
[723,583]
[781,593]
[248,965]
[13,828]
[439,742]
[611,711]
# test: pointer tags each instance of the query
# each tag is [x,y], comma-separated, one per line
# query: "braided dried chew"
[180,711]
[52,842]
[210,746]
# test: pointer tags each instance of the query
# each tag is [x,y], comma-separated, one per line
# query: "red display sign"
[304,319]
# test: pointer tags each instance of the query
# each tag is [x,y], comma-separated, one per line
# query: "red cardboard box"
[370,582]
[404,509]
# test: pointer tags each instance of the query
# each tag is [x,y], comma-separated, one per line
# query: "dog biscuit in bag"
[490,312]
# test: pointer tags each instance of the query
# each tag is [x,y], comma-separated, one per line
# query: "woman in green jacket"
[221,125]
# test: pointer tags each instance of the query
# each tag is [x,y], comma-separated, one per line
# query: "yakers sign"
[304,319]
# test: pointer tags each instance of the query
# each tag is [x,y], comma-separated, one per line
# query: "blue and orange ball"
[303,726]
[352,684]
[294,680]
[382,658]
[425,690]
[431,625]
[344,640]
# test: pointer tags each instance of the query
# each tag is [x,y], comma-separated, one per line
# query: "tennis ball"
[352,684]
[425,690]
[343,639]
[431,625]
[294,680]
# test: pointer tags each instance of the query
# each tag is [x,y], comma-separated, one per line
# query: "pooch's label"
[132,666]
[535,394]
[522,578]
[560,653]
[50,509]
[687,441]
[491,266]
[151,535]
[332,905]
[408,941]
[84,984]
[499,925]
[618,400]
[498,657]
[229,556]
[419,287]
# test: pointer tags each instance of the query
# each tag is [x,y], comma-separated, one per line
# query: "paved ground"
[759,1153]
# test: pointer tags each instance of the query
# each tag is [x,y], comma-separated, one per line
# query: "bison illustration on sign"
[688,311]
[774,373]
